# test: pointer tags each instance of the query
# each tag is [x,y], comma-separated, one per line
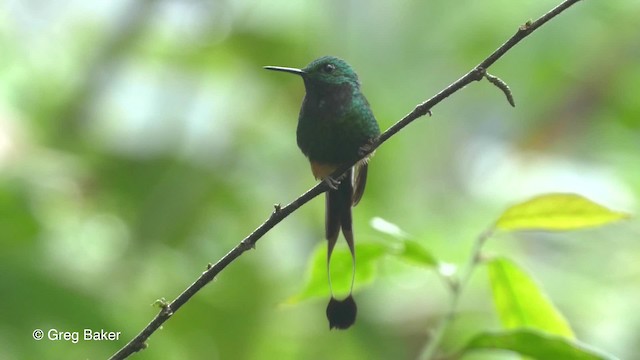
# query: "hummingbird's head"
[327,70]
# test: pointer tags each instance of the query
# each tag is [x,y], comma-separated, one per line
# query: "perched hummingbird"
[336,127]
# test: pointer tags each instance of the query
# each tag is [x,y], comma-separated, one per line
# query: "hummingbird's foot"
[333,183]
[366,148]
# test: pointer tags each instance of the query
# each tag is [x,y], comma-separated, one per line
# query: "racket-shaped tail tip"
[341,313]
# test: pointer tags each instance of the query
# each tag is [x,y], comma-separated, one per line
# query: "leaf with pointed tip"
[535,345]
[316,285]
[519,301]
[557,212]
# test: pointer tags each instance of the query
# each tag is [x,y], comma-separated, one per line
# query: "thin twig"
[280,213]
[475,258]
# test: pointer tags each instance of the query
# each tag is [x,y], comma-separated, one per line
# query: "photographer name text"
[76,336]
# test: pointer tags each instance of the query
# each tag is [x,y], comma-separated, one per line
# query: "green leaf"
[535,345]
[317,286]
[409,250]
[415,253]
[387,227]
[557,212]
[519,301]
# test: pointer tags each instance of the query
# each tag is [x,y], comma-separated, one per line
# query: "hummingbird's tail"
[341,313]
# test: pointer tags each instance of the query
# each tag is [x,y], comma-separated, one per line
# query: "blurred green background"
[141,140]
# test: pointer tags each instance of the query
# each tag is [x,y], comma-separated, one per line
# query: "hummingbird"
[336,127]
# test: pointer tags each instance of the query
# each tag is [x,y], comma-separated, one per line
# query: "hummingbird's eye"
[328,68]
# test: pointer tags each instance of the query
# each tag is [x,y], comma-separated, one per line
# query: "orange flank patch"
[321,171]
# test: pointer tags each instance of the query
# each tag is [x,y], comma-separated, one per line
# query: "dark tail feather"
[338,216]
[341,313]
[333,217]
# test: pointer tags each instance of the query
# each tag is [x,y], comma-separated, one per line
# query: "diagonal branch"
[280,213]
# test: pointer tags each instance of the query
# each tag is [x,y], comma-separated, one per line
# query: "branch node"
[502,86]
[166,310]
[247,244]
[526,26]
[164,305]
[422,109]
[139,346]
[478,73]
[276,209]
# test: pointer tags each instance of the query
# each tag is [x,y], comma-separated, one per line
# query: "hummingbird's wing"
[359,181]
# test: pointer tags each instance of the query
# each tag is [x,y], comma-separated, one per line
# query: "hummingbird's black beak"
[286,69]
